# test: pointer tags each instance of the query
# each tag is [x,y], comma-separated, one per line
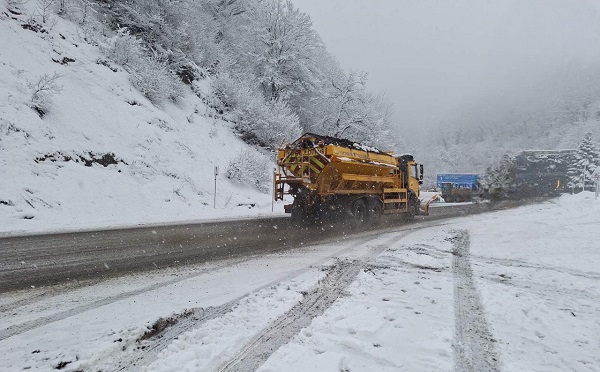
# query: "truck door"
[413,178]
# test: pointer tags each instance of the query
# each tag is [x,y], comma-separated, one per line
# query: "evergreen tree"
[584,163]
[499,178]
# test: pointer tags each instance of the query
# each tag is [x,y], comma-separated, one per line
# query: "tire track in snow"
[39,322]
[529,265]
[281,331]
[545,290]
[44,294]
[474,346]
[314,304]
[147,350]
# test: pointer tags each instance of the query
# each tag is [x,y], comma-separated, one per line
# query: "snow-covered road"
[511,290]
[52,258]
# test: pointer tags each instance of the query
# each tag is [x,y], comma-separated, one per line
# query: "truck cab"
[413,172]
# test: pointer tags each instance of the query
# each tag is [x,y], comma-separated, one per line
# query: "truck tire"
[374,211]
[300,215]
[412,208]
[359,213]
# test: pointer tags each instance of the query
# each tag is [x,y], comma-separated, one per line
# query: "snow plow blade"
[424,211]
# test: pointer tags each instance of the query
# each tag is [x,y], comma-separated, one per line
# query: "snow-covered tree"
[221,29]
[584,163]
[150,74]
[43,89]
[164,27]
[350,111]
[252,168]
[80,11]
[124,49]
[271,73]
[44,10]
[343,99]
[283,43]
[153,78]
[266,123]
[499,178]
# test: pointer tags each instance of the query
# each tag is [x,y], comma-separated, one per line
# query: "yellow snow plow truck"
[327,175]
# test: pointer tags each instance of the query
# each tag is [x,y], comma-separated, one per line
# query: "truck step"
[393,190]
[394,211]
[399,200]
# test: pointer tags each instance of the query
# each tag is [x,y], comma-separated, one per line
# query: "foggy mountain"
[469,79]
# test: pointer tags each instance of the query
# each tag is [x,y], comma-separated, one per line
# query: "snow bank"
[538,272]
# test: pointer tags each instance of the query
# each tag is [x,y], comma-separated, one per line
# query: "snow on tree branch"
[43,89]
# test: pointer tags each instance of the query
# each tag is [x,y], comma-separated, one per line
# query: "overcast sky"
[463,60]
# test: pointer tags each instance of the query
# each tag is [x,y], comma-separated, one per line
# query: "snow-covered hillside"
[103,154]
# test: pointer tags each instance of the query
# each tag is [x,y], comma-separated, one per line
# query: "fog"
[450,62]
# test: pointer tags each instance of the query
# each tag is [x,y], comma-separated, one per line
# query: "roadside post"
[215,197]
[273,188]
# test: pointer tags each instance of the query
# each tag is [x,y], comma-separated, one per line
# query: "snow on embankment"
[537,272]
[102,155]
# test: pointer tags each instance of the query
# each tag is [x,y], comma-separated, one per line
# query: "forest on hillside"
[262,66]
[269,71]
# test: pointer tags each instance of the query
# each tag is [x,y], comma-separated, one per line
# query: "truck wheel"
[359,213]
[300,215]
[412,209]
[374,211]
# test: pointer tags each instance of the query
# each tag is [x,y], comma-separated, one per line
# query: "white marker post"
[215,200]
[273,192]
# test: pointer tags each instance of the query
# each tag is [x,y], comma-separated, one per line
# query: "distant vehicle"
[543,172]
[458,187]
[327,175]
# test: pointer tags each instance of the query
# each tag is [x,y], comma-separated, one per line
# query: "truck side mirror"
[421,171]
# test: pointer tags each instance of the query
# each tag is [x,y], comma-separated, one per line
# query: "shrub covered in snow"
[124,49]
[252,168]
[43,88]
[149,74]
[152,77]
[266,123]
